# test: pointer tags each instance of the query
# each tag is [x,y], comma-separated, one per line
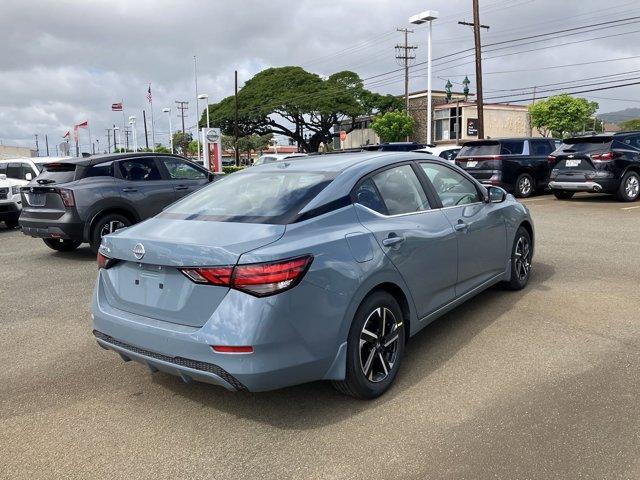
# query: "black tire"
[106,224]
[629,189]
[563,194]
[60,245]
[11,223]
[525,186]
[520,272]
[383,358]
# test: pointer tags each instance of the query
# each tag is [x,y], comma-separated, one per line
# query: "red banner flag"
[84,124]
[116,107]
[66,135]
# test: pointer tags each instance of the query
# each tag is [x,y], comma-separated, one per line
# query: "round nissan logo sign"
[213,136]
[138,251]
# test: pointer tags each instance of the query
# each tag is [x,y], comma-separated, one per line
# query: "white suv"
[14,173]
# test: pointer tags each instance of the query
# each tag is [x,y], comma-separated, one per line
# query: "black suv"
[598,163]
[81,200]
[519,165]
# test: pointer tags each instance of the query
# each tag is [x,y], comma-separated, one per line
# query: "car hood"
[179,243]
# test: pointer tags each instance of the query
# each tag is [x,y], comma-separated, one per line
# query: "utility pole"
[534,95]
[476,37]
[146,136]
[182,106]
[405,57]
[115,143]
[126,138]
[235,122]
[46,142]
[37,147]
[108,140]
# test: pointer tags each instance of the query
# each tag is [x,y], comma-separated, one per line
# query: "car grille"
[4,193]
[182,362]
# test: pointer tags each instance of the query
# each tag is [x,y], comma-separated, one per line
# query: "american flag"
[116,107]
[149,97]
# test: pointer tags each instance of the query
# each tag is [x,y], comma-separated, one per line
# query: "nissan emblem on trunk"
[138,251]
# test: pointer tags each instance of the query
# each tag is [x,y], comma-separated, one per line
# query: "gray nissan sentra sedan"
[317,268]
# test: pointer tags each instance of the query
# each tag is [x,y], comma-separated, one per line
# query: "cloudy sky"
[65,61]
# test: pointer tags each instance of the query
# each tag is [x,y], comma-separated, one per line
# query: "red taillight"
[605,157]
[105,262]
[231,349]
[551,159]
[258,279]
[67,197]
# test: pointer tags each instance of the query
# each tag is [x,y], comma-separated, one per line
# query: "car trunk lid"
[153,285]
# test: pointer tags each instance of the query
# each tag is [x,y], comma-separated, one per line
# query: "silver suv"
[80,200]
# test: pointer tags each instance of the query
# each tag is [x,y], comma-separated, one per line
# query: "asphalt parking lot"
[541,383]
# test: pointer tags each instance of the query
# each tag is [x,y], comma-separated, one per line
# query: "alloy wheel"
[379,344]
[522,258]
[525,186]
[111,227]
[632,186]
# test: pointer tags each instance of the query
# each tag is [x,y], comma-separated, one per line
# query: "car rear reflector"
[258,279]
[67,197]
[231,349]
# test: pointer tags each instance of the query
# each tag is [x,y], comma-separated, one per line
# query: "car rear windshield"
[252,197]
[502,147]
[585,144]
[57,173]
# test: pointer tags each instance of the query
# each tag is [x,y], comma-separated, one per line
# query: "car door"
[539,150]
[185,176]
[393,204]
[143,184]
[480,227]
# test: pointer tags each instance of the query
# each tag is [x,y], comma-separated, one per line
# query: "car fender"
[104,205]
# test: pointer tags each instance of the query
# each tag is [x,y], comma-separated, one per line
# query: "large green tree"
[393,126]
[293,102]
[181,142]
[562,115]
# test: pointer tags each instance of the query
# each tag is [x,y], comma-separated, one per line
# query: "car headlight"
[15,189]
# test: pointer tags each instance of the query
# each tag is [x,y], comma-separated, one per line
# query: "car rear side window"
[367,194]
[401,190]
[541,147]
[104,169]
[511,147]
[139,169]
[452,188]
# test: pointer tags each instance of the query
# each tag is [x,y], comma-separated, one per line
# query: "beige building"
[8,151]
[418,109]
[500,120]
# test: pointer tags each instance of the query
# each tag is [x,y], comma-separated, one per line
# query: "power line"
[574,93]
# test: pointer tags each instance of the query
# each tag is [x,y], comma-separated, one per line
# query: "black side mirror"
[496,194]
[212,177]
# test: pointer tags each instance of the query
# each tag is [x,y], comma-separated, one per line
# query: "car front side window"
[452,188]
[181,170]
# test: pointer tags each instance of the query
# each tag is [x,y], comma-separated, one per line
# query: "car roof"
[95,159]
[328,163]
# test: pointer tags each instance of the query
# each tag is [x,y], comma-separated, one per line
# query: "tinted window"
[513,147]
[57,173]
[401,190]
[139,169]
[181,170]
[367,195]
[632,141]
[540,147]
[100,170]
[14,170]
[480,149]
[452,188]
[252,197]
[3,168]
[585,144]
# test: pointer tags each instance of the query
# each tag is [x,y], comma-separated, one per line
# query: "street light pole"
[204,96]
[168,111]
[424,17]
[132,122]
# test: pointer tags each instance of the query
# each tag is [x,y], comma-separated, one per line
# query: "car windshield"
[252,197]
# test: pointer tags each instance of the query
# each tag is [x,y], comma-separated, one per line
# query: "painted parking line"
[630,208]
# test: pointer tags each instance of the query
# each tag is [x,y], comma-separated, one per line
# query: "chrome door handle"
[392,240]
[182,187]
[461,226]
[129,189]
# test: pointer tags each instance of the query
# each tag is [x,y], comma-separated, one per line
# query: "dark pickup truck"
[519,165]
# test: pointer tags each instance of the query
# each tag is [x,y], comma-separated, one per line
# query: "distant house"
[609,127]
[8,151]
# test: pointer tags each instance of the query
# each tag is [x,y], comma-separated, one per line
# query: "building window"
[446,123]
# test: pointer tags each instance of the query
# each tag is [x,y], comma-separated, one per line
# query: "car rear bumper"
[61,228]
[586,186]
[284,351]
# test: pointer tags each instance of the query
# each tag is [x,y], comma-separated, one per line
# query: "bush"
[231,168]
